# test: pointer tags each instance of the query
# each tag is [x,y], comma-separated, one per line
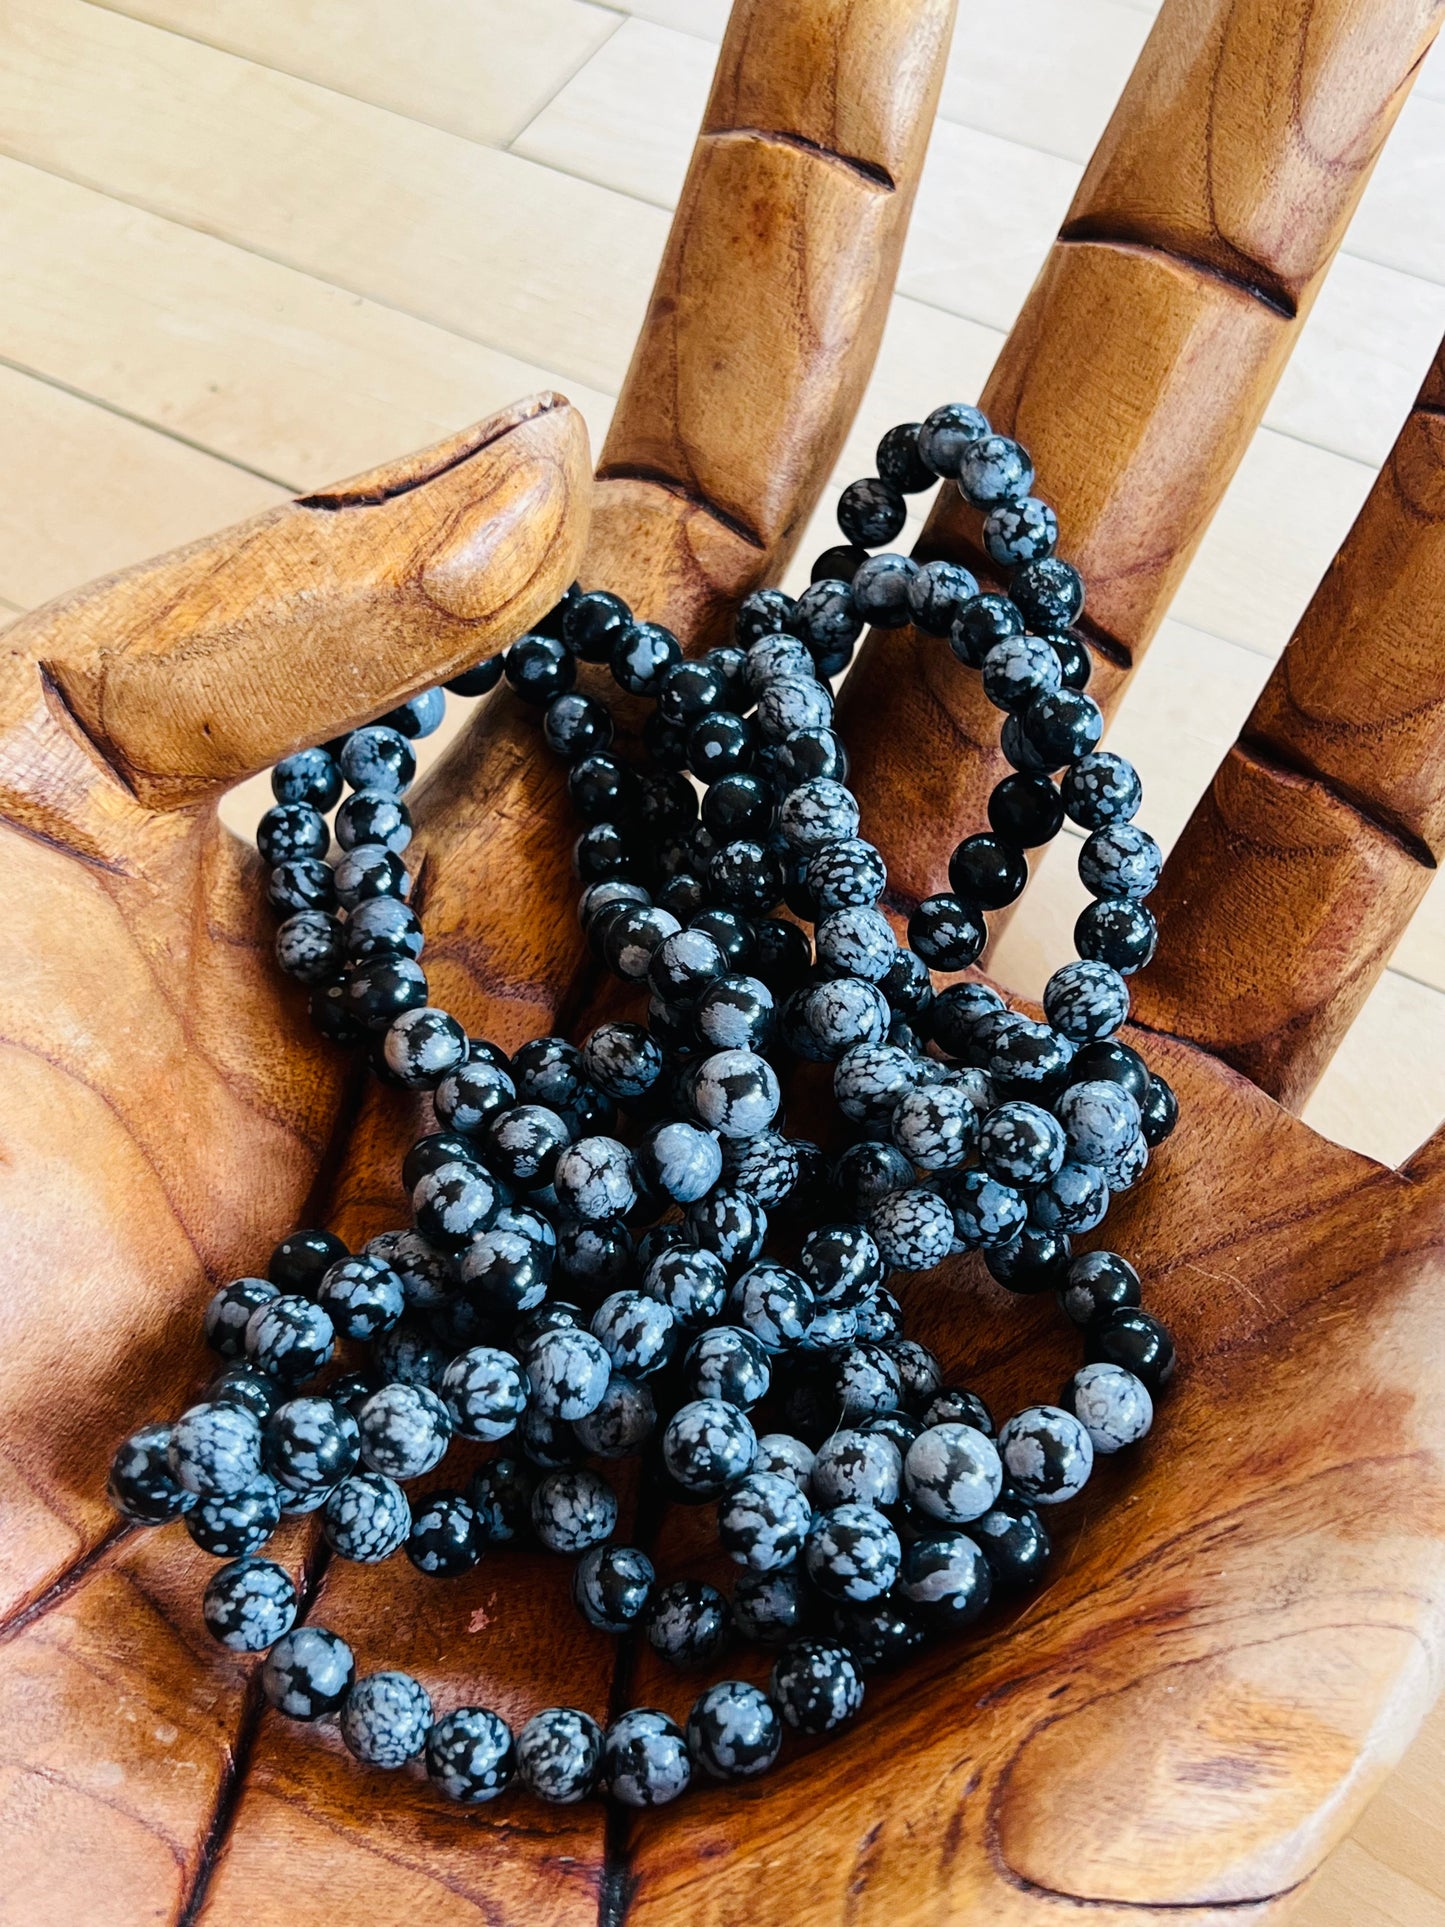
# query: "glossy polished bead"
[986,871]
[690,690]
[1030,1060]
[592,624]
[1135,1340]
[1098,1283]
[1021,1144]
[229,1311]
[880,590]
[851,1553]
[1035,1260]
[867,1172]
[719,745]
[385,1719]
[142,1485]
[249,1605]
[841,1264]
[244,1385]
[871,512]
[1047,1454]
[854,1467]
[985,1212]
[367,1518]
[1102,788]
[994,469]
[289,1338]
[645,1761]
[291,831]
[948,434]
[1018,669]
[1159,1112]
[310,1443]
[573,1508]
[1108,1060]
[575,726]
[423,1045]
[1121,860]
[955,1013]
[308,1673]
[613,1586]
[935,1127]
[937,595]
[1112,1405]
[763,1521]
[1075,1199]
[1117,932]
[733,1731]
[1100,1120]
[947,1580]
[1025,811]
[470,1756]
[865,1380]
[559,1755]
[707,1446]
[373,816]
[310,776]
[828,619]
[1062,726]
[1023,531]
[642,655]
[479,680]
[370,871]
[431,1152]
[770,1608]
[1049,594]
[624,1420]
[952,1473]
[445,1539]
[688,1623]
[1086,1000]
[982,624]
[382,927]
[900,463]
[1013,1540]
[378,758]
[405,1430]
[540,669]
[728,1223]
[601,789]
[301,883]
[947,932]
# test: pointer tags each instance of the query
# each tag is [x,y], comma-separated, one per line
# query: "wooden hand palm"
[1235,1639]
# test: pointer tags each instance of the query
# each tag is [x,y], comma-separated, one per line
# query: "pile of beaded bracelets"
[1008,1141]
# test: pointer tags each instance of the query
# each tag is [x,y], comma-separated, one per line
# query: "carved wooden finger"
[1303,863]
[193,671]
[1143,359]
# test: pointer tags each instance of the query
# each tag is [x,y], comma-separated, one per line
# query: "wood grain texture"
[1302,865]
[1147,350]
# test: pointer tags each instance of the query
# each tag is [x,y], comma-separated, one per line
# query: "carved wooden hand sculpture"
[1238,1634]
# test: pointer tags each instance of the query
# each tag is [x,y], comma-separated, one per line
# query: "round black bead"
[540,669]
[732,932]
[592,624]
[664,742]
[642,656]
[381,989]
[690,690]
[382,927]
[938,594]
[1026,810]
[310,776]
[290,830]
[1061,726]
[575,726]
[1098,1284]
[1048,593]
[947,932]
[605,850]
[981,623]
[1075,663]
[719,745]
[746,876]
[738,806]
[781,953]
[839,564]
[1014,1542]
[871,512]
[808,753]
[1107,1059]
[1136,1341]
[880,590]
[477,681]
[1118,932]
[1158,1112]
[300,1261]
[988,872]
[899,462]
[764,613]
[301,883]
[946,436]
[1036,1260]
[601,789]
[445,1537]
[431,1152]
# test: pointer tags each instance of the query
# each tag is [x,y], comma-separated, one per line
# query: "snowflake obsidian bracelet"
[617,1251]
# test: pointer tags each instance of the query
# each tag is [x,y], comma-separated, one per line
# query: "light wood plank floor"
[251,245]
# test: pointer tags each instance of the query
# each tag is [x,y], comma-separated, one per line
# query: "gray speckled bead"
[559,1755]
[1101,788]
[774,1304]
[1022,531]
[637,1332]
[370,871]
[947,1578]
[730,1224]
[377,758]
[612,1586]
[1121,860]
[229,1313]
[914,1229]
[622,1060]
[689,1623]
[856,1468]
[1100,1119]
[780,1452]
[568,1372]
[1113,1406]
[847,873]
[680,1160]
[871,1080]
[407,1356]
[373,816]
[426,1278]
[485,1391]
[935,1126]
[472,1093]
[367,1518]
[229,1527]
[817,1686]
[645,1761]
[770,1608]
[422,1045]
[623,1422]
[762,1522]
[1075,1199]
[882,588]
[733,1731]
[727,1363]
[795,702]
[289,1337]
[919,1371]
[469,1755]
[994,469]
[385,1719]
[946,436]
[1085,1000]
[1047,1454]
[405,1430]
[1126,1166]
[1017,669]
[766,1166]
[736,1093]
[773,657]
[852,1553]
[308,1673]
[818,811]
[215,1449]
[985,1212]
[866,1381]
[707,1445]
[691,1283]
[309,947]
[1021,1144]
[952,1473]
[594,1181]
[572,1509]
[843,1014]
[249,1605]
[858,941]
[142,1485]
[362,1297]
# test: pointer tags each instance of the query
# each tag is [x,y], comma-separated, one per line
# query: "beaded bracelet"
[524,1180]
